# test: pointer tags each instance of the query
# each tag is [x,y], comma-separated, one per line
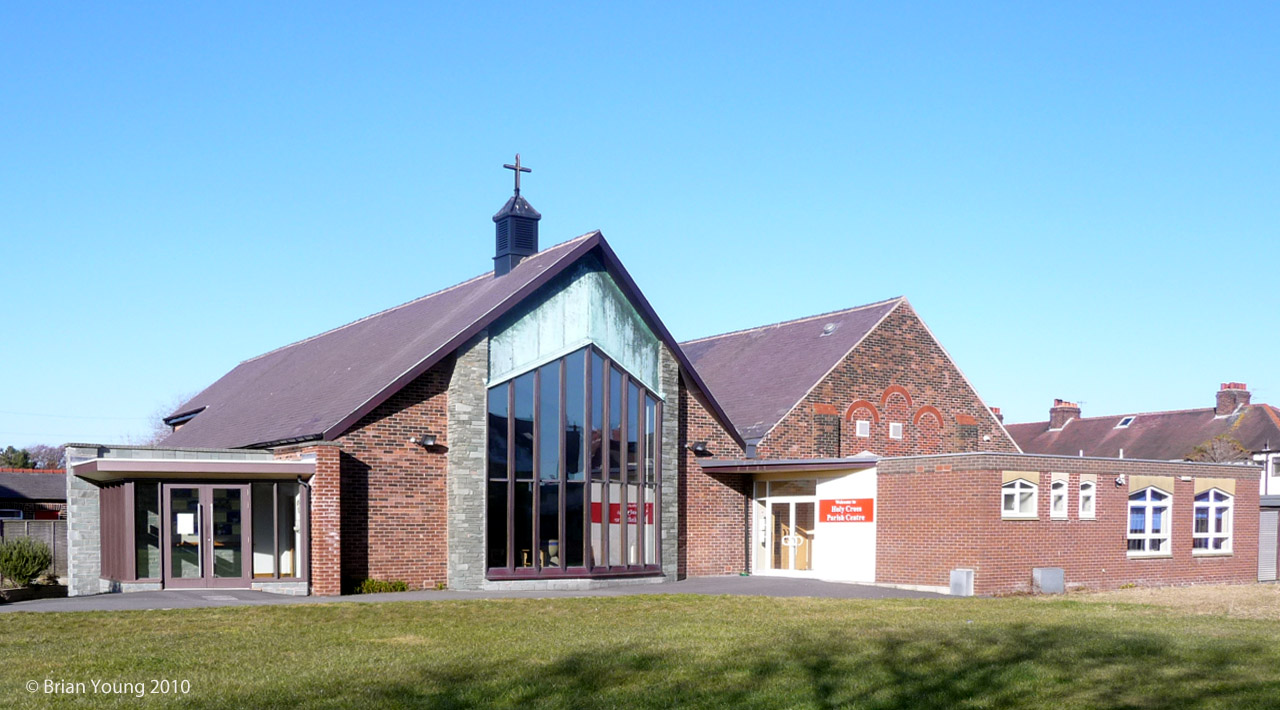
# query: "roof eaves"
[588,242]
[793,321]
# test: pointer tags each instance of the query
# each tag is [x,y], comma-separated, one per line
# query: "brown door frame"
[204,493]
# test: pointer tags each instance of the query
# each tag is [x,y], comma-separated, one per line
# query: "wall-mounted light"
[426,441]
[699,448]
[1120,480]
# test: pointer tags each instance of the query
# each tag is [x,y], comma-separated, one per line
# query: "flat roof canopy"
[191,469]
[782,465]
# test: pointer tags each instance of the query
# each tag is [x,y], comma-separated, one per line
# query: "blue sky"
[1081,200]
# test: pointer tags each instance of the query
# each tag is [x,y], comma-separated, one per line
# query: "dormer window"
[1124,423]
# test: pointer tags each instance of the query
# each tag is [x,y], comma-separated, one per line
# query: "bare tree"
[157,430]
[1222,448]
[43,456]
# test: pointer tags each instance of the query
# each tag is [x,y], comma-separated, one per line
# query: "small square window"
[895,430]
[862,428]
[1124,423]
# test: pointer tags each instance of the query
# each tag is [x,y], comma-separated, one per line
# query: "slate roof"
[34,485]
[1161,436]
[321,386]
[795,354]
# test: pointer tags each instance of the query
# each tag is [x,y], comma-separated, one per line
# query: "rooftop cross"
[518,169]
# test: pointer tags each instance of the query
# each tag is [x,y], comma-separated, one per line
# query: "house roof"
[797,354]
[319,387]
[33,485]
[1162,436]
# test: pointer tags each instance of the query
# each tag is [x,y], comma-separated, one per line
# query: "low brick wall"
[940,513]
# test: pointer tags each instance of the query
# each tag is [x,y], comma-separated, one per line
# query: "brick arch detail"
[894,389]
[927,410]
[863,404]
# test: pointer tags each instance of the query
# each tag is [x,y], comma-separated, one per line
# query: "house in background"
[1234,430]
[33,494]
[537,427]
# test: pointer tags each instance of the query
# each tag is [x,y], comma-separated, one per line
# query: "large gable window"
[573,471]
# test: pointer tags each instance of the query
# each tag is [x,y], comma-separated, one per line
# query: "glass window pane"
[523,414]
[228,553]
[615,424]
[634,506]
[497,514]
[650,525]
[549,524]
[549,422]
[1157,520]
[615,524]
[146,529]
[1202,519]
[573,522]
[651,439]
[523,523]
[599,509]
[1220,520]
[793,488]
[597,419]
[498,431]
[574,415]
[1026,502]
[633,429]
[1137,520]
[264,535]
[289,527]
[184,533]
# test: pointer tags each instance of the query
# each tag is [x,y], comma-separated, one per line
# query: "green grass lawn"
[654,652]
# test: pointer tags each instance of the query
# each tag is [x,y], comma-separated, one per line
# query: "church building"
[537,427]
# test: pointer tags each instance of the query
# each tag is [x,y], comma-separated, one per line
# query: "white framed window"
[1211,531]
[1088,500]
[1058,499]
[862,428]
[1124,423]
[895,430]
[1149,523]
[1018,499]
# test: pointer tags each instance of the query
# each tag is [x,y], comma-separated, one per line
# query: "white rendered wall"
[846,551]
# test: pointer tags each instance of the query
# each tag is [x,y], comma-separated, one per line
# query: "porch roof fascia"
[107,469]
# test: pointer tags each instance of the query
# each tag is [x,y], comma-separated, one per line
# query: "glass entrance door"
[206,536]
[792,538]
[785,534]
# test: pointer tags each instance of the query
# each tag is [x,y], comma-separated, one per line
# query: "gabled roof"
[796,354]
[35,485]
[1161,436]
[319,387]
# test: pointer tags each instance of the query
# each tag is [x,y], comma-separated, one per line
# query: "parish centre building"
[538,427]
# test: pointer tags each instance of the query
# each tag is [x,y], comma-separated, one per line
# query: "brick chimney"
[1231,396]
[999,416]
[1062,412]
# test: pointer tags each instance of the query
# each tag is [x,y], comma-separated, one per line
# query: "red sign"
[847,510]
[615,513]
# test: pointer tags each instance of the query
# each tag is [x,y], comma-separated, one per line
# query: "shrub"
[23,559]
[378,586]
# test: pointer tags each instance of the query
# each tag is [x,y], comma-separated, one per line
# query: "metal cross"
[518,168]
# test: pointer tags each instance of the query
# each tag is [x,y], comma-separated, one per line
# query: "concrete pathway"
[192,598]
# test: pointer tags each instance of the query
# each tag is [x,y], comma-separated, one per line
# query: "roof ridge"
[1128,414]
[406,304]
[793,321]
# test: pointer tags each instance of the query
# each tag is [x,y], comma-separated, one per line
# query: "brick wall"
[713,526]
[898,374]
[937,514]
[325,522]
[394,501]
